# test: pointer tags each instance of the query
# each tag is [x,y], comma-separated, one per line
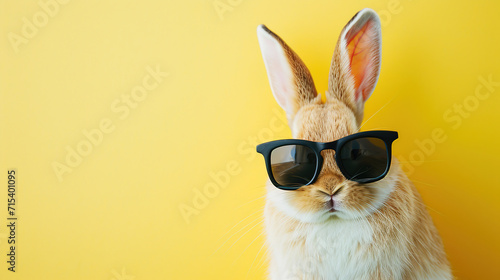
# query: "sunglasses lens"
[364,158]
[293,165]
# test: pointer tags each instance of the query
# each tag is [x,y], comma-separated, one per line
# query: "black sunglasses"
[363,157]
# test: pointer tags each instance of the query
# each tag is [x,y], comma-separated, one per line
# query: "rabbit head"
[353,75]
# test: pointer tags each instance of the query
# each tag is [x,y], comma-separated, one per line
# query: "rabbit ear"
[356,61]
[290,80]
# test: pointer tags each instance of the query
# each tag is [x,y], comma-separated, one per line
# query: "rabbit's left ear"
[356,62]
[290,80]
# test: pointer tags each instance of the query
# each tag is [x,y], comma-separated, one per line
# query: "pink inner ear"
[360,47]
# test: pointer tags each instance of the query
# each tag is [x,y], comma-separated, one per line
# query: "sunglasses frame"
[387,136]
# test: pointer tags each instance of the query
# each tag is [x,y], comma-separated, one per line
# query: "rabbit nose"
[333,193]
[329,184]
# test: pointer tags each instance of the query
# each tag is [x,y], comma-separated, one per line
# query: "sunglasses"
[363,157]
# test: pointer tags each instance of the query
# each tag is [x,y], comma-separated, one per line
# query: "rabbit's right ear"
[290,80]
[356,62]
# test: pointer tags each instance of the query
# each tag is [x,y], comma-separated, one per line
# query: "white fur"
[336,246]
[332,240]
[330,252]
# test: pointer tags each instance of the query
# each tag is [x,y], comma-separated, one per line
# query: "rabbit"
[379,230]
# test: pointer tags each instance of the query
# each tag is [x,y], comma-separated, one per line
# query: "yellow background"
[117,216]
